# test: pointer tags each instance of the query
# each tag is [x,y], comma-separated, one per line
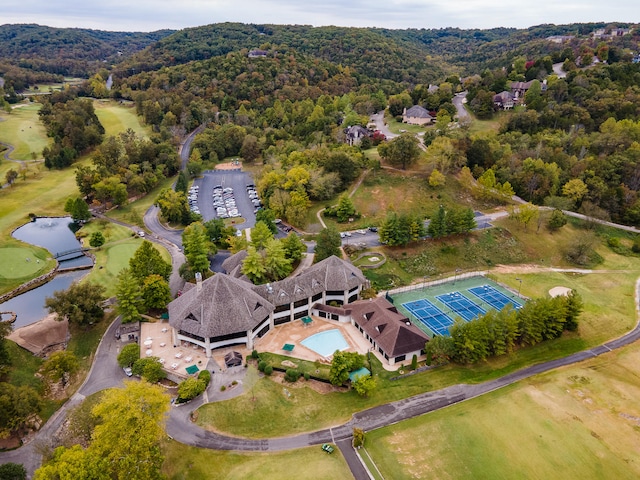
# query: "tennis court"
[430,315]
[493,297]
[461,305]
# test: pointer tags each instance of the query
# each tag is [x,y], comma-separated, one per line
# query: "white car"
[127,371]
[141,234]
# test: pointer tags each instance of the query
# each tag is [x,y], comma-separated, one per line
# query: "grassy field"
[116,118]
[42,195]
[576,422]
[22,129]
[189,463]
[399,127]
[133,212]
[604,317]
[43,192]
[115,254]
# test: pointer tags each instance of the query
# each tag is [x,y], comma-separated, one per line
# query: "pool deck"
[292,332]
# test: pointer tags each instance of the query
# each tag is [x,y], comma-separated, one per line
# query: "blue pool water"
[326,343]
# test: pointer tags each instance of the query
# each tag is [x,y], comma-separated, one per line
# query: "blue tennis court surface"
[461,305]
[494,297]
[434,318]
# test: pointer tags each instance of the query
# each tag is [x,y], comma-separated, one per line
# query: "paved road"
[105,373]
[378,119]
[459,99]
[557,69]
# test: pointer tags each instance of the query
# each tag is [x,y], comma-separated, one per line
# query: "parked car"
[128,372]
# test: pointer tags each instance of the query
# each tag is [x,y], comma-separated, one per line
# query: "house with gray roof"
[355,133]
[224,310]
[504,100]
[417,115]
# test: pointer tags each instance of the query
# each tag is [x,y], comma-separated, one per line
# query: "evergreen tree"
[196,247]
[437,227]
[128,294]
[181,183]
[277,265]
[260,235]
[345,209]
[268,217]
[156,292]
[146,261]
[253,266]
[78,209]
[328,243]
[294,247]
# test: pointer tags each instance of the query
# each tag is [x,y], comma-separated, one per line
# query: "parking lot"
[224,194]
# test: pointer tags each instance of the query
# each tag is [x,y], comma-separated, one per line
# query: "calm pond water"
[30,305]
[55,235]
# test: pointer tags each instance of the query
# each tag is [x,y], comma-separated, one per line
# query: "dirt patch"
[42,337]
[524,268]
[559,291]
[229,166]
[320,387]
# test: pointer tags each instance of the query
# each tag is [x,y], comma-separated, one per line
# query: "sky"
[150,15]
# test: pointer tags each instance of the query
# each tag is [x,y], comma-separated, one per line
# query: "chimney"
[198,281]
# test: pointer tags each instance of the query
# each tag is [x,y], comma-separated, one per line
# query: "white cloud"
[149,15]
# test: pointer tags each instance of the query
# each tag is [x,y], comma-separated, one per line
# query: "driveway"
[378,119]
[459,99]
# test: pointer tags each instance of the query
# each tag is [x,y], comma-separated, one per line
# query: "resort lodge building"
[227,309]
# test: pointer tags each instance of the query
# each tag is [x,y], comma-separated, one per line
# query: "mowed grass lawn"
[577,422]
[23,130]
[119,117]
[115,254]
[21,263]
[190,463]
[605,317]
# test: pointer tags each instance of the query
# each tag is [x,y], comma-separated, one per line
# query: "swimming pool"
[326,343]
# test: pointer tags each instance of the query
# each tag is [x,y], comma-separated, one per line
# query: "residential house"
[258,54]
[503,100]
[417,115]
[355,133]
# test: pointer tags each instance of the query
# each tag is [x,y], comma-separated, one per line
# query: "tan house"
[417,115]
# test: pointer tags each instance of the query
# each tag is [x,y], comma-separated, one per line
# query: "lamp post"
[519,287]
[455,275]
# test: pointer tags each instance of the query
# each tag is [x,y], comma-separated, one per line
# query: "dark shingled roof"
[225,304]
[417,112]
[234,261]
[387,327]
[222,305]
[331,273]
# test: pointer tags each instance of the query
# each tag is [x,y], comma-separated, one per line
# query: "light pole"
[519,287]
[455,275]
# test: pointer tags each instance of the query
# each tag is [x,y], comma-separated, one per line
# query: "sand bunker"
[559,291]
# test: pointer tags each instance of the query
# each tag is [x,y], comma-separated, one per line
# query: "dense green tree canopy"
[81,303]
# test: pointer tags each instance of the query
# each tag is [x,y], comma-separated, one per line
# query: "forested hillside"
[68,51]
[283,95]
